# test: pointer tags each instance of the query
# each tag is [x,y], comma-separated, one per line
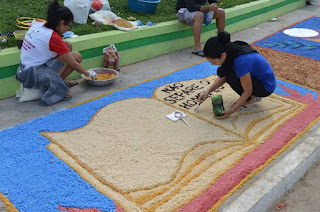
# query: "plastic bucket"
[217,103]
[143,6]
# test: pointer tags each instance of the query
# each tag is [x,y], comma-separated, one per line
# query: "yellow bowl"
[19,34]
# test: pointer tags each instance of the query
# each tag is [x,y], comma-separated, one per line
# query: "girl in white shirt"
[46,60]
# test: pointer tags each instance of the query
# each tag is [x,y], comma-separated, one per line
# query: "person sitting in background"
[247,72]
[46,60]
[195,13]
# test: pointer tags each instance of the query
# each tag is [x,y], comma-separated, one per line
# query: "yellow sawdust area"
[133,153]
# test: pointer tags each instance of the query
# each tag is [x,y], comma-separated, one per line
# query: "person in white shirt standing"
[46,60]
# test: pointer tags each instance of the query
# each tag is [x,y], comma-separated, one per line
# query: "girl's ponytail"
[53,8]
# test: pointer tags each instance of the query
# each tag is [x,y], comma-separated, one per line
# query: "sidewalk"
[302,155]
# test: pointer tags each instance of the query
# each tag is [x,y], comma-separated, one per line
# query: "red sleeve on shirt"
[57,45]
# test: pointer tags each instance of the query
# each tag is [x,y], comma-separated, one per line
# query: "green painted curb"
[134,46]
[8,87]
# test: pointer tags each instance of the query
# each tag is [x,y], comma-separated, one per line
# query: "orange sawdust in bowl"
[105,76]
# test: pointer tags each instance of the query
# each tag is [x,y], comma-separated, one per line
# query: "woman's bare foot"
[72,83]
[252,100]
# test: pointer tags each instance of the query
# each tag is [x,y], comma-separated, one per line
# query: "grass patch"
[34,8]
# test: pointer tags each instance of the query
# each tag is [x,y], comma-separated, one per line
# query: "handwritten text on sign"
[186,95]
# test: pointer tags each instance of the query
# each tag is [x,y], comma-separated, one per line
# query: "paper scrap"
[173,118]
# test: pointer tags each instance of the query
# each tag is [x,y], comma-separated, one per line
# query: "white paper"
[173,118]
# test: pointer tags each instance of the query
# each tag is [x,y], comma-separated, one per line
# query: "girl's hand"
[203,97]
[92,74]
[225,115]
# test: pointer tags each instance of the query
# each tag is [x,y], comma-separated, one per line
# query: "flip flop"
[198,53]
[67,97]
[257,99]
[242,107]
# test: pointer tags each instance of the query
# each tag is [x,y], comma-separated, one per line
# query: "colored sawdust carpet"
[120,152]
[294,52]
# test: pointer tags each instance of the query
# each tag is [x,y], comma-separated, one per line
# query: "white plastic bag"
[28,94]
[109,18]
[104,16]
[80,9]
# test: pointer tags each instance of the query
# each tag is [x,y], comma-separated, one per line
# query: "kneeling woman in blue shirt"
[247,72]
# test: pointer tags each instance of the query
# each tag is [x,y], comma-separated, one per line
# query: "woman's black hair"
[56,14]
[215,46]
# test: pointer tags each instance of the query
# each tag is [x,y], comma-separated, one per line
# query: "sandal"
[198,53]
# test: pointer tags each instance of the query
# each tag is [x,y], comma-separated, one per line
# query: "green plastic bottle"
[217,103]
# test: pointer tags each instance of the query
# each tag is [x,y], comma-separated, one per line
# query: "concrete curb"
[280,178]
